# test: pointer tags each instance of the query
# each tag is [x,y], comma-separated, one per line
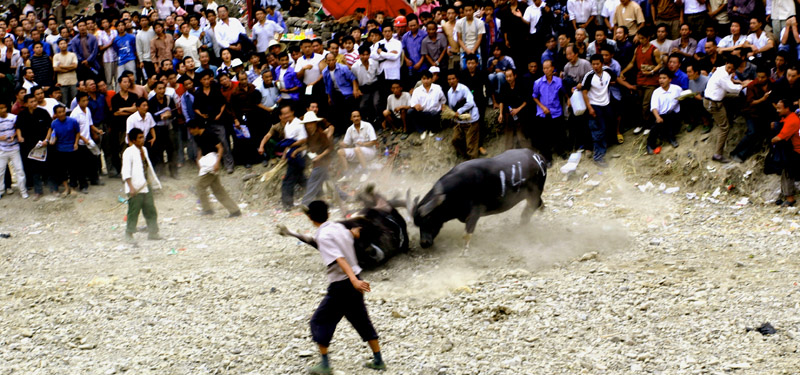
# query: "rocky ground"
[616,276]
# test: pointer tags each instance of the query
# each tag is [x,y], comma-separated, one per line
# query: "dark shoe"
[207,213]
[778,202]
[97,183]
[230,170]
[706,129]
[236,214]
[737,159]
[720,159]
[650,150]
[788,203]
[154,237]
[84,190]
[375,366]
[320,370]
[689,128]
[674,144]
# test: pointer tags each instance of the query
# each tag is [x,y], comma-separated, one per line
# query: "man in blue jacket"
[84,45]
[341,86]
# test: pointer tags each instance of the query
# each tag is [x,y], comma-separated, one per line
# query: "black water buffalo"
[478,188]
[383,232]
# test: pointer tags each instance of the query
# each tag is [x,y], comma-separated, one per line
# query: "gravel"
[608,279]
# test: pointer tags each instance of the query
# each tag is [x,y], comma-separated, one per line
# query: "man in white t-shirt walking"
[9,150]
[595,94]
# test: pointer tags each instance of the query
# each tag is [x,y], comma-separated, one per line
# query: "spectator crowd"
[556,75]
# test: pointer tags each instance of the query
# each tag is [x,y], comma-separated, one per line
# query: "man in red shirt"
[789,132]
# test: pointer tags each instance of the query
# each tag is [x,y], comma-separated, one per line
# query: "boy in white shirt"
[665,107]
[396,107]
[138,176]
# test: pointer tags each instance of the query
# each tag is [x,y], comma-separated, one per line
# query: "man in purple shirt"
[711,34]
[412,48]
[547,94]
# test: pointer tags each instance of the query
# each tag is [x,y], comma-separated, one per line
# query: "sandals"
[620,139]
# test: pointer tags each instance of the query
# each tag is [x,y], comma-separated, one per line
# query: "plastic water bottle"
[514,116]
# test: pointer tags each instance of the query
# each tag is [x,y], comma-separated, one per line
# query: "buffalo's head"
[425,216]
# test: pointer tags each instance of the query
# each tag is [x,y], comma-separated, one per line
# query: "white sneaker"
[24,194]
[637,130]
[646,132]
[423,135]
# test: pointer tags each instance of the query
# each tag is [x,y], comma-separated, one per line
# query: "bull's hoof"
[465,250]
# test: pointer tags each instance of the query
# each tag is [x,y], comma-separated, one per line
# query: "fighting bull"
[480,187]
[380,232]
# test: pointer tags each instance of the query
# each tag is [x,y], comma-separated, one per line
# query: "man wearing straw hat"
[275,47]
[320,152]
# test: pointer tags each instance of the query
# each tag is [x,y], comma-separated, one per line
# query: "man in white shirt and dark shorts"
[345,297]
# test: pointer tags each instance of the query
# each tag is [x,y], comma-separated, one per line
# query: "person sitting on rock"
[359,142]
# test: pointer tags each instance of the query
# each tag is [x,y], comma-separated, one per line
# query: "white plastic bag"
[572,163]
[578,105]
[207,163]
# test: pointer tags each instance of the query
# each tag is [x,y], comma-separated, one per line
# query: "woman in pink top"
[427,6]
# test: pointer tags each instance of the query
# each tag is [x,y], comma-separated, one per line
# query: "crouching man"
[359,142]
[466,134]
[345,296]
